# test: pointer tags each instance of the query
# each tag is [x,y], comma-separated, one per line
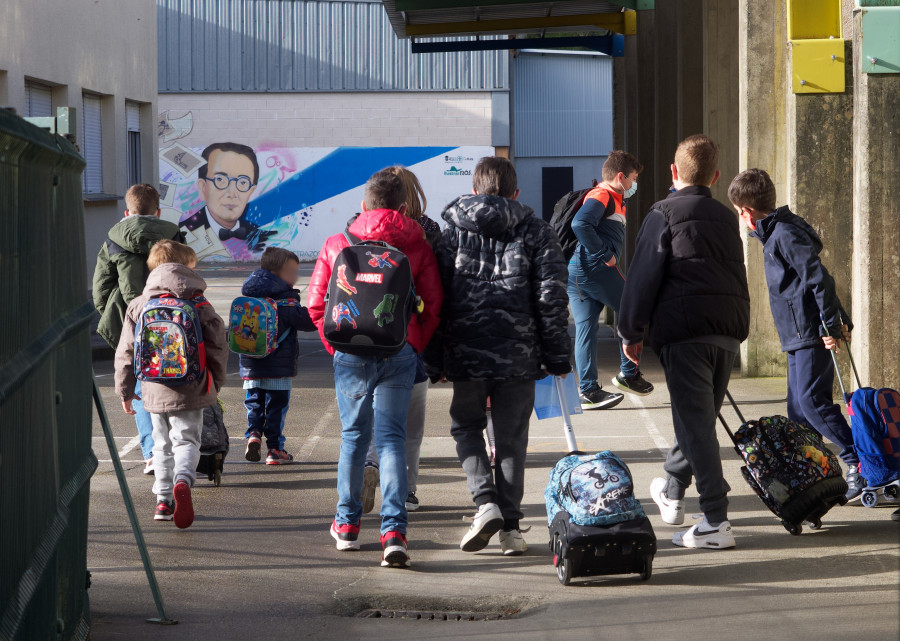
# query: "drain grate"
[435,615]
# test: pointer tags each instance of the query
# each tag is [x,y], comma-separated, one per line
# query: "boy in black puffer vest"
[268,380]
[505,316]
[688,283]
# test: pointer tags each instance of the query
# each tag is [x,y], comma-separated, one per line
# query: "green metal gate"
[46,459]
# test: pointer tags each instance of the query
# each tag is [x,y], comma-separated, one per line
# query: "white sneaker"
[512,543]
[487,522]
[370,484]
[148,466]
[672,512]
[705,536]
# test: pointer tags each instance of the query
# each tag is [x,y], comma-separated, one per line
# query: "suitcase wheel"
[891,492]
[869,499]
[217,473]
[814,524]
[648,568]
[564,570]
[794,529]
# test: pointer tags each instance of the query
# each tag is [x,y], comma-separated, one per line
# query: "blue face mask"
[631,190]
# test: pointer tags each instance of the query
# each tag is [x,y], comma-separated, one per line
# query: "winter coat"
[506,308]
[121,270]
[407,236]
[801,290]
[181,282]
[283,361]
[600,237]
[687,277]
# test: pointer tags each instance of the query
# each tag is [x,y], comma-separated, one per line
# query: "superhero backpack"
[370,299]
[253,325]
[564,213]
[168,341]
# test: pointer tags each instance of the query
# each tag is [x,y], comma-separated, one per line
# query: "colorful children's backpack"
[370,299]
[875,423]
[168,341]
[595,489]
[253,325]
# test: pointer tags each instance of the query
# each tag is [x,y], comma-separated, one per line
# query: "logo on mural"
[458,159]
[454,171]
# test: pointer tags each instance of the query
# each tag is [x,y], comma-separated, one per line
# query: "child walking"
[268,380]
[176,411]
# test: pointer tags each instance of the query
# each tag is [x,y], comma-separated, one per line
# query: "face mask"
[631,190]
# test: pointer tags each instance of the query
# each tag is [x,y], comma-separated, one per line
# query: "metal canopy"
[430,18]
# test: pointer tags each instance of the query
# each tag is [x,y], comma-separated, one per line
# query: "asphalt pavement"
[259,563]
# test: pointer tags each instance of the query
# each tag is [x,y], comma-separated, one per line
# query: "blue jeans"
[373,397]
[266,410]
[144,426]
[587,296]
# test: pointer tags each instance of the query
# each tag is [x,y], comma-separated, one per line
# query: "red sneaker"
[184,507]
[346,535]
[396,554]
[164,511]
[279,457]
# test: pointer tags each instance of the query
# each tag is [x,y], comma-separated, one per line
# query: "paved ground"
[258,562]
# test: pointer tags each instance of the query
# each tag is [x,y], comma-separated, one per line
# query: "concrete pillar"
[876,226]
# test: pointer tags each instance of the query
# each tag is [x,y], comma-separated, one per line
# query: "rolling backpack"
[168,341]
[564,213]
[370,299]
[253,325]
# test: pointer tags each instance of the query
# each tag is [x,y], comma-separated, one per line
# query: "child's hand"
[845,333]
[126,405]
[633,352]
[612,262]
[830,343]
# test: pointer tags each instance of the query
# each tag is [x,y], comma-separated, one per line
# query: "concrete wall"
[107,47]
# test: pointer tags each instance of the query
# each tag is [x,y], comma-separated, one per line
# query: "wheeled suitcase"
[213,443]
[789,468]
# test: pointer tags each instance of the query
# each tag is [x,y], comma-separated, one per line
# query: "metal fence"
[46,458]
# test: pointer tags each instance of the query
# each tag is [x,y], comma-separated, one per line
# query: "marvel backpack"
[370,299]
[564,213]
[168,341]
[253,325]
[594,489]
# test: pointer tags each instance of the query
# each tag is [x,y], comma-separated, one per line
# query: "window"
[92,144]
[133,142]
[38,100]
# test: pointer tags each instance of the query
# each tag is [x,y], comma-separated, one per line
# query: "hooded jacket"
[182,282]
[283,361]
[406,235]
[506,309]
[121,270]
[801,290]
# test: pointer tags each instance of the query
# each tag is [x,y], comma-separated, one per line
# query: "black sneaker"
[412,503]
[599,400]
[165,511]
[634,385]
[855,484]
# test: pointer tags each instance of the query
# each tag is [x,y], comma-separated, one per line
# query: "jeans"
[373,396]
[415,432]
[587,297]
[697,375]
[512,402]
[144,425]
[266,410]
[176,449]
[810,400]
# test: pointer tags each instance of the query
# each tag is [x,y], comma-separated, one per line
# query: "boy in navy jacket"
[268,380]
[801,294]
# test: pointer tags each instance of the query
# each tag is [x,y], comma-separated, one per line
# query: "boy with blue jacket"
[801,294]
[268,380]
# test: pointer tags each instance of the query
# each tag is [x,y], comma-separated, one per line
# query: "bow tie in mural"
[239,232]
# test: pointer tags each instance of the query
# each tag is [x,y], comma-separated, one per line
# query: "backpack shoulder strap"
[351,238]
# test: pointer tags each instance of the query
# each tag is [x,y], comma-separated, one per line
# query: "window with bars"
[92,143]
[133,142]
[38,99]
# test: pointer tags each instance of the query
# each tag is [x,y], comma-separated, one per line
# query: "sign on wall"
[232,200]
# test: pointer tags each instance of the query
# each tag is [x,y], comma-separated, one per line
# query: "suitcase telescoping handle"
[737,411]
[837,367]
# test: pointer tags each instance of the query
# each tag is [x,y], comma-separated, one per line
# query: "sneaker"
[164,511]
[512,543]
[671,511]
[278,457]
[600,400]
[254,443]
[346,535]
[184,505]
[855,484]
[412,503]
[487,522]
[635,385]
[148,466]
[370,484]
[396,554]
[706,536]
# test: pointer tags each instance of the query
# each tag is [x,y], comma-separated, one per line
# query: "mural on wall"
[232,201]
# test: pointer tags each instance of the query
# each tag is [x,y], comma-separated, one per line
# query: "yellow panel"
[814,19]
[817,66]
[630,23]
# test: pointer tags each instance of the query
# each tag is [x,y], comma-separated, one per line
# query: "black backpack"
[370,299]
[564,212]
